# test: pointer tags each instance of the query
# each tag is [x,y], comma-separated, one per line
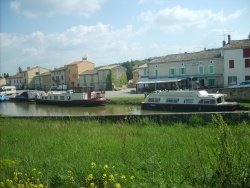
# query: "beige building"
[2,81]
[75,69]
[28,76]
[59,76]
[15,80]
[43,81]
[199,69]
[105,78]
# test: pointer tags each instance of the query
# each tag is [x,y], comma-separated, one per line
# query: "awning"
[160,80]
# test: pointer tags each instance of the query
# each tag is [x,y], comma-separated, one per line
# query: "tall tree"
[20,69]
[129,66]
[5,75]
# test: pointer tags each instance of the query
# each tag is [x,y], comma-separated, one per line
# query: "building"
[43,81]
[59,76]
[89,79]
[236,55]
[15,80]
[75,69]
[28,76]
[2,81]
[140,74]
[111,77]
[199,69]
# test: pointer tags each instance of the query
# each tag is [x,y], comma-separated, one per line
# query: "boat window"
[201,101]
[55,97]
[189,101]
[172,100]
[219,100]
[212,101]
[154,100]
[46,98]
[62,98]
[68,97]
[206,101]
[50,97]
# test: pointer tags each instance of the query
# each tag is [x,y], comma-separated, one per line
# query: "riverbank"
[146,153]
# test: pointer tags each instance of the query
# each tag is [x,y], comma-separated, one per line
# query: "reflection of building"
[15,80]
[28,76]
[236,61]
[75,69]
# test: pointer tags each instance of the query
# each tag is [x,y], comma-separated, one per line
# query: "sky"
[54,33]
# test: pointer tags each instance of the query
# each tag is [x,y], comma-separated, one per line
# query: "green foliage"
[157,154]
[195,120]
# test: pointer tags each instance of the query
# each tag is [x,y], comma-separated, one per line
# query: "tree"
[20,70]
[129,66]
[5,75]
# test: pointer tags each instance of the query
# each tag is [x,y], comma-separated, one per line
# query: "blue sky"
[53,33]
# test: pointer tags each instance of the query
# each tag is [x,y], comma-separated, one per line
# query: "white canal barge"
[185,100]
[69,98]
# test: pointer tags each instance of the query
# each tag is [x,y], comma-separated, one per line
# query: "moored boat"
[185,100]
[3,98]
[70,98]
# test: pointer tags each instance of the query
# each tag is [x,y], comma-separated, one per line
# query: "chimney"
[28,68]
[229,39]
[84,58]
[223,43]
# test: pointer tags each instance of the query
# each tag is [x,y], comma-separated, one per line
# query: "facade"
[89,79]
[15,80]
[236,61]
[75,69]
[2,81]
[28,76]
[204,68]
[141,74]
[59,76]
[43,81]
[110,76]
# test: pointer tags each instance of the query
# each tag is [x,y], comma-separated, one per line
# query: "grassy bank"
[74,153]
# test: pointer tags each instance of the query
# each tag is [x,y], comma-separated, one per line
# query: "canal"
[33,109]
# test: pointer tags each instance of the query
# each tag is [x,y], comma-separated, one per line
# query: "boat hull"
[190,107]
[88,102]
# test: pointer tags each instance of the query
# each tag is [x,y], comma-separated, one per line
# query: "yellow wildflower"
[93,165]
[123,177]
[117,185]
[132,177]
[34,169]
[92,185]
[105,166]
[90,177]
[104,176]
[111,178]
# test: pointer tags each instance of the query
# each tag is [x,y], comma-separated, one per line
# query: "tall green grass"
[156,155]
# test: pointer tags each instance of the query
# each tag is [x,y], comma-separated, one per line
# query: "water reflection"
[32,109]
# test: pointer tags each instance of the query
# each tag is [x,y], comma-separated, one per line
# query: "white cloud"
[34,9]
[178,18]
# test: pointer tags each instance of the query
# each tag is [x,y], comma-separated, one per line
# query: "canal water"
[33,109]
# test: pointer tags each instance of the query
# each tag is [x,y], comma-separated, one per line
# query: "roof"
[108,67]
[16,76]
[238,44]
[78,62]
[89,72]
[59,69]
[46,74]
[208,54]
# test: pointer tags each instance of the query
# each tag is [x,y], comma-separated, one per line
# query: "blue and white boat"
[3,98]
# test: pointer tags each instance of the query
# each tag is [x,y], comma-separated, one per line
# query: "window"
[62,98]
[182,71]
[201,69]
[55,97]
[247,63]
[232,80]
[211,69]
[231,64]
[172,100]
[211,82]
[92,78]
[188,101]
[145,71]
[172,71]
[246,52]
[154,100]
[156,73]
[84,79]
[61,77]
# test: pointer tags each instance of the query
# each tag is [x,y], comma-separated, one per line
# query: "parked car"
[242,84]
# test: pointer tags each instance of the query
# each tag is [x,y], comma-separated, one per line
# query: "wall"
[234,93]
